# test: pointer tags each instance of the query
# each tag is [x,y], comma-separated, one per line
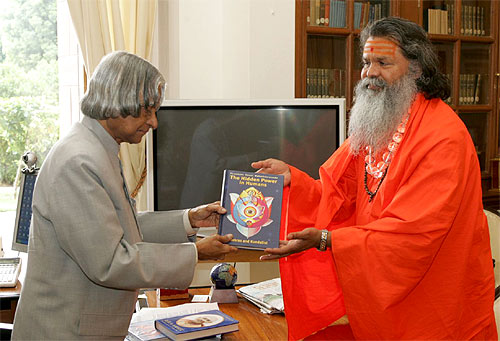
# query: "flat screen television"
[196,140]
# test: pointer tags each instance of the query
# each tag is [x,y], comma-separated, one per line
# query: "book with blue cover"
[253,204]
[197,325]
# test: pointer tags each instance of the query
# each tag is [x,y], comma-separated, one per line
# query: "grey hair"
[417,48]
[121,84]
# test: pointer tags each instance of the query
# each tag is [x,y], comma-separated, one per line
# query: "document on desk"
[266,295]
[151,314]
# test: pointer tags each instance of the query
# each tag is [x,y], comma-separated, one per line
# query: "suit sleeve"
[89,230]
[162,227]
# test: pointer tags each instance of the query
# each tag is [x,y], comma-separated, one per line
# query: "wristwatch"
[323,240]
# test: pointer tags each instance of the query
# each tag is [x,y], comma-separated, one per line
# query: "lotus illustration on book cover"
[253,202]
[250,211]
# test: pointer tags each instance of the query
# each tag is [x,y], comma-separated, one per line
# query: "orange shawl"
[415,263]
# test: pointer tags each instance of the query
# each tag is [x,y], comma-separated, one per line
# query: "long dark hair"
[417,48]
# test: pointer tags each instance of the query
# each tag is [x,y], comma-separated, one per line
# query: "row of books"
[364,13]
[473,21]
[324,83]
[329,13]
[332,13]
[441,20]
[470,86]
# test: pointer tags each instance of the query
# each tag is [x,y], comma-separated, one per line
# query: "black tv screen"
[194,143]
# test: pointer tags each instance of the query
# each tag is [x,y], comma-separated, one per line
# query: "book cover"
[198,325]
[253,204]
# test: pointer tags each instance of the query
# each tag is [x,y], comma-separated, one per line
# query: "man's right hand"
[274,166]
[214,247]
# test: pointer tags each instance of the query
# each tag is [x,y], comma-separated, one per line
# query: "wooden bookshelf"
[464,33]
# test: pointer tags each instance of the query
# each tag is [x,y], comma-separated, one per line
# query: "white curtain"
[104,26]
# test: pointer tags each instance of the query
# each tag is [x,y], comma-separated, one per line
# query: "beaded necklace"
[379,170]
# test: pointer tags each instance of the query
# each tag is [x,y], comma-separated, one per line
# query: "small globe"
[223,275]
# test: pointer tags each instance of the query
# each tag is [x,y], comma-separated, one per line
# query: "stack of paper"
[266,295]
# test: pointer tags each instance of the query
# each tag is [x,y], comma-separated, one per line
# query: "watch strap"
[323,240]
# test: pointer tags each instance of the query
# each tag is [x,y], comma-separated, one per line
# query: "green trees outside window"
[29,87]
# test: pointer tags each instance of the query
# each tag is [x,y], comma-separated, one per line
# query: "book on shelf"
[451,18]
[317,17]
[461,98]
[308,13]
[444,21]
[253,204]
[462,24]
[322,12]
[470,88]
[267,295]
[474,20]
[447,8]
[358,6]
[198,325]
[366,13]
[342,83]
[327,12]
[481,21]
[468,14]
[468,20]
[477,89]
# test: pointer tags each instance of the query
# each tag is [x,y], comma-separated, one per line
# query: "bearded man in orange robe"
[397,211]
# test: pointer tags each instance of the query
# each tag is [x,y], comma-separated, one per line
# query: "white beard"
[375,115]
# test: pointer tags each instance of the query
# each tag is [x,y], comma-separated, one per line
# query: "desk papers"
[266,295]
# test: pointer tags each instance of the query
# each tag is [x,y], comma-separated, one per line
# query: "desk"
[8,299]
[253,325]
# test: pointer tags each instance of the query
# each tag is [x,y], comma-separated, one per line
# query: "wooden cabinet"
[465,36]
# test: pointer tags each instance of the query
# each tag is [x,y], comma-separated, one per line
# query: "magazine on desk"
[253,204]
[266,295]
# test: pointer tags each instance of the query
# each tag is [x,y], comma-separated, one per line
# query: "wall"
[227,49]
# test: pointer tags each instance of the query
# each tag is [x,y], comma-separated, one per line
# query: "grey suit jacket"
[89,252]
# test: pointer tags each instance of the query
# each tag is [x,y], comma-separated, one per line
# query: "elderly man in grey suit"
[89,251]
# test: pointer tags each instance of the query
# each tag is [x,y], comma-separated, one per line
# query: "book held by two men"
[198,325]
[253,204]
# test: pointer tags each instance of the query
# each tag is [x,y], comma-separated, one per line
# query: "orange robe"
[415,263]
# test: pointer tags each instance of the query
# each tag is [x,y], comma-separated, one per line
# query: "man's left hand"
[206,215]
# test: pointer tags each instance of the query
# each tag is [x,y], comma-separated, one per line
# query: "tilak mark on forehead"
[380,47]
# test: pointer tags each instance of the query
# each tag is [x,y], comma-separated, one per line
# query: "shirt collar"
[109,143]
